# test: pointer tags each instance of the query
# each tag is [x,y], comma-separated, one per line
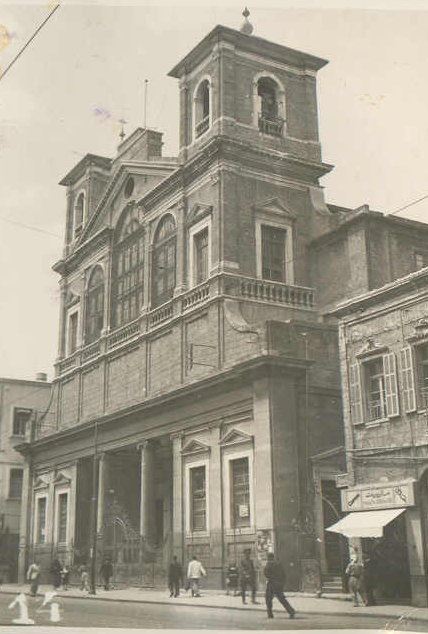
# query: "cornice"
[265,364]
[66,265]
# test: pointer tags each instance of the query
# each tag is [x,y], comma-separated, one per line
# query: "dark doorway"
[334,544]
[389,562]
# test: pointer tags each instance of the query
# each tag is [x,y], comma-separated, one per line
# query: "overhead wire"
[28,42]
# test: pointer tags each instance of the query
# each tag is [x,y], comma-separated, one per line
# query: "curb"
[391,617]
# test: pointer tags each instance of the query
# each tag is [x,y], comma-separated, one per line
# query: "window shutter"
[391,389]
[408,379]
[355,394]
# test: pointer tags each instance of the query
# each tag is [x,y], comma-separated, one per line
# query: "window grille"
[62,517]
[198,499]
[164,262]
[15,483]
[94,306]
[240,492]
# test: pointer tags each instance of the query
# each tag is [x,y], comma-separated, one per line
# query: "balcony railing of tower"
[272,125]
[227,285]
[202,126]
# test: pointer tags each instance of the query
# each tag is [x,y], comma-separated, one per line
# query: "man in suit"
[275,579]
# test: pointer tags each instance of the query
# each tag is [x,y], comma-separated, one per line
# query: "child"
[84,579]
[232,577]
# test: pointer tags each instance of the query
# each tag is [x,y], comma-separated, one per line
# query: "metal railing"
[271,125]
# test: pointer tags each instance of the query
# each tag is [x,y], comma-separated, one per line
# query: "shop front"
[384,529]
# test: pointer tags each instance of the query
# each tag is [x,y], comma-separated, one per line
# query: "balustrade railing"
[228,284]
[262,290]
[202,126]
[91,351]
[195,296]
[161,314]
[123,334]
[272,125]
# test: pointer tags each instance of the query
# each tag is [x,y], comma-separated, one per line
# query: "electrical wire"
[28,42]
[30,227]
[414,202]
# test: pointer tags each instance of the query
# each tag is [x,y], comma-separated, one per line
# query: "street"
[87,612]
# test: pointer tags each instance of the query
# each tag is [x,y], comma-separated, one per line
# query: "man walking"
[275,579]
[33,576]
[247,575]
[175,576]
[195,571]
[106,572]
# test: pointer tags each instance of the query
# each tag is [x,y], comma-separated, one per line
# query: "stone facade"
[197,369]
[385,419]
[22,404]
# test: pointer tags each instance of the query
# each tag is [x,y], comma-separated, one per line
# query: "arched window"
[202,105]
[78,212]
[128,269]
[94,315]
[163,261]
[271,107]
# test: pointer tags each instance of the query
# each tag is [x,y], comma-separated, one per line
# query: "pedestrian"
[354,572]
[55,571]
[368,581]
[247,576]
[84,579]
[195,571]
[175,577]
[65,575]
[232,578]
[33,576]
[106,572]
[275,579]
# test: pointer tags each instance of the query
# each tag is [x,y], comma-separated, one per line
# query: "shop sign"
[383,496]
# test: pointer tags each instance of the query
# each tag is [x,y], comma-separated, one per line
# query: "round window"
[129,187]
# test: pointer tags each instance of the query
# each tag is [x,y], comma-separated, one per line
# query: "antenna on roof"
[146,83]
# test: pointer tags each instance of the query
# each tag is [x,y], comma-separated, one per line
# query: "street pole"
[94,512]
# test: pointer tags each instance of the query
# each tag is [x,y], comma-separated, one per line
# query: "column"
[216,509]
[102,470]
[25,523]
[147,510]
[177,497]
[181,251]
[62,330]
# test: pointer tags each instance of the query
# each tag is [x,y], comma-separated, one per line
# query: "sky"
[85,71]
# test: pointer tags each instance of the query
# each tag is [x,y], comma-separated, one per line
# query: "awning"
[365,523]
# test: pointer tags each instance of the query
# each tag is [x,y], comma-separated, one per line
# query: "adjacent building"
[198,367]
[21,404]
[384,361]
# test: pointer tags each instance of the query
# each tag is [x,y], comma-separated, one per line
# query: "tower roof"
[249,43]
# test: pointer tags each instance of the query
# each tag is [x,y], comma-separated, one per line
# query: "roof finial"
[246,26]
[122,129]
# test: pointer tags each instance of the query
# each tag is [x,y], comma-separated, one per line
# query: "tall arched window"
[78,212]
[128,269]
[163,261]
[94,315]
[202,105]
[270,111]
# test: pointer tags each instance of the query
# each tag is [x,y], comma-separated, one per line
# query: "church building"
[197,376]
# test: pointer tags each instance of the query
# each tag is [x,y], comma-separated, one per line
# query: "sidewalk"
[217,599]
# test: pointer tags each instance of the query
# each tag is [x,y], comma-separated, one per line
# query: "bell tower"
[236,84]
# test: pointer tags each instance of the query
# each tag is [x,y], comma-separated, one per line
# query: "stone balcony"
[221,286]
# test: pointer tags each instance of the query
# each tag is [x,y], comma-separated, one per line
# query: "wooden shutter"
[391,389]
[355,393]
[408,379]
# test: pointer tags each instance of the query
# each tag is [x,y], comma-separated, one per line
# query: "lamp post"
[94,512]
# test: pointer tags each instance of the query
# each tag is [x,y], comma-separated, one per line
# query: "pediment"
[274,206]
[71,299]
[60,478]
[40,483]
[370,347]
[236,437]
[198,212]
[195,447]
